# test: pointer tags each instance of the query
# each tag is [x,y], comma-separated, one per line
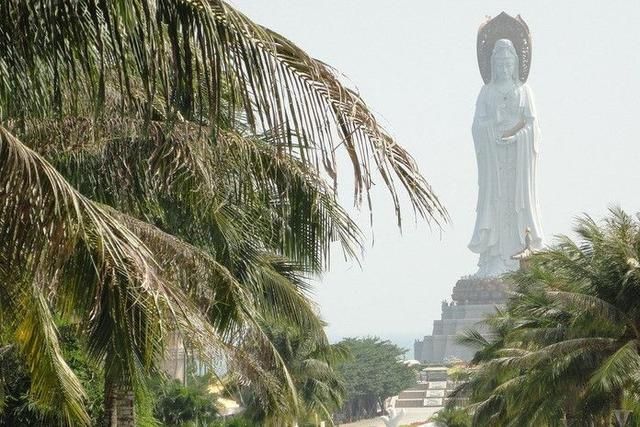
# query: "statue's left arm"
[530,116]
[527,141]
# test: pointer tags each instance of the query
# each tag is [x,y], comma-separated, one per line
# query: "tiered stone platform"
[472,299]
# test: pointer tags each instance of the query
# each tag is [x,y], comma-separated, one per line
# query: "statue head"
[504,62]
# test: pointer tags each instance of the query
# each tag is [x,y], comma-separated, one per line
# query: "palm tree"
[244,241]
[163,165]
[310,361]
[569,348]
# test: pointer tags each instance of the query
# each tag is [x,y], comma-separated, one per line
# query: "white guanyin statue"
[506,136]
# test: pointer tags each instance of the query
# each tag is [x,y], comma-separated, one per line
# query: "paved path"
[412,415]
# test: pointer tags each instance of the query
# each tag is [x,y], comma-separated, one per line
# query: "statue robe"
[507,201]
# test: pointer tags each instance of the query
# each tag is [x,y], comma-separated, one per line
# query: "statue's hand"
[507,140]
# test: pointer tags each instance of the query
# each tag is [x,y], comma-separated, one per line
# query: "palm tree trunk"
[119,409]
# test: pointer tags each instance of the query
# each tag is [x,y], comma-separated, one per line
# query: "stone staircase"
[431,391]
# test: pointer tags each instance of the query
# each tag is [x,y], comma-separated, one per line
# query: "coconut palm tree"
[164,166]
[253,234]
[568,351]
[311,362]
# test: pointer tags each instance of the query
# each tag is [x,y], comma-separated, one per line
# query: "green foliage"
[311,366]
[452,417]
[16,408]
[89,373]
[236,421]
[19,408]
[373,374]
[177,404]
[168,168]
[568,343]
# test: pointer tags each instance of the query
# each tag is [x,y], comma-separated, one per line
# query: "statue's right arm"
[481,116]
[482,128]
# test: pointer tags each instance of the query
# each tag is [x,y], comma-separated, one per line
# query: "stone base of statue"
[472,300]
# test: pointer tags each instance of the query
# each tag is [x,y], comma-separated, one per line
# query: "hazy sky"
[414,62]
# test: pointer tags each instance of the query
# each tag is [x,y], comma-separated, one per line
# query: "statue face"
[504,69]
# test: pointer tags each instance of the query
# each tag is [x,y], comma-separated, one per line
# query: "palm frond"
[472,338]
[54,387]
[595,306]
[154,171]
[613,372]
[180,59]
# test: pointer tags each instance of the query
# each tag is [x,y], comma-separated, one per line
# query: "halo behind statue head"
[504,26]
